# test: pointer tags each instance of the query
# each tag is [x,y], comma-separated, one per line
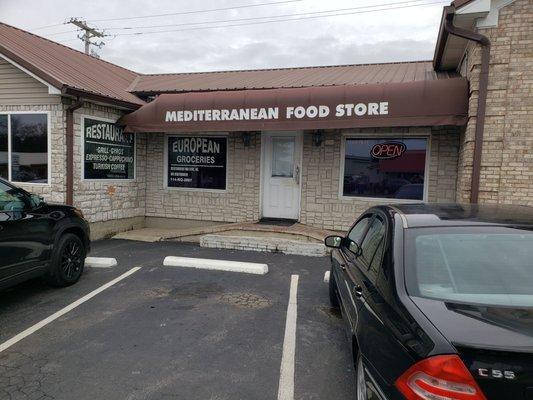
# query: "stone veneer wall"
[321,203]
[507,160]
[240,201]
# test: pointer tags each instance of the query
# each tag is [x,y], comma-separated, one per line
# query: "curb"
[218,265]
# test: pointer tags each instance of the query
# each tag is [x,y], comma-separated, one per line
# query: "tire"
[68,261]
[360,382]
[333,299]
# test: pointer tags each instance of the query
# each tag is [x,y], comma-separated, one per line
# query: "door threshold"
[277,221]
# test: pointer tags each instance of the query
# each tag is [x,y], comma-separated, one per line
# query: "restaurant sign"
[197,162]
[109,153]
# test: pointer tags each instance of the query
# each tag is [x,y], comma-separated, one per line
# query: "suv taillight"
[439,378]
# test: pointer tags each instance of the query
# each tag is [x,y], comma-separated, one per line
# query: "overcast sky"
[398,34]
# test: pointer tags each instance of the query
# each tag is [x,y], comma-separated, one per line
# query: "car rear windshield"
[489,265]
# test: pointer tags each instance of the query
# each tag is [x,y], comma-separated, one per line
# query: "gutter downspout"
[70,149]
[481,100]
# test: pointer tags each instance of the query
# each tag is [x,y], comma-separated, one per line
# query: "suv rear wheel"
[68,261]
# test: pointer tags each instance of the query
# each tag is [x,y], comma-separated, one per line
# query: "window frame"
[194,134]
[385,136]
[82,157]
[48,141]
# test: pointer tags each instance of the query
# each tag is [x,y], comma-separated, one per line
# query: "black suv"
[40,239]
[438,301]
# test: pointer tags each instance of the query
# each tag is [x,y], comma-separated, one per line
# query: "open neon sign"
[388,150]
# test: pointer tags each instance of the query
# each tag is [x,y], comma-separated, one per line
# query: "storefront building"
[317,145]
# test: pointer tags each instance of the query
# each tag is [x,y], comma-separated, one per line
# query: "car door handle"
[357,291]
[343,267]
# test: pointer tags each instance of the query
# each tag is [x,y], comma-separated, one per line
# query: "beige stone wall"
[507,160]
[114,199]
[322,205]
[240,201]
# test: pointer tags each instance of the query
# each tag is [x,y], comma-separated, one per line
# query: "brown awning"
[420,103]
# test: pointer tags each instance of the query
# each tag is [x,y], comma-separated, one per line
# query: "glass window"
[29,148]
[11,199]
[197,162]
[358,230]
[282,157]
[373,239]
[4,157]
[475,265]
[385,168]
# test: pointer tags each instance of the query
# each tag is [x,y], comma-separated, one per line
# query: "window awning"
[416,103]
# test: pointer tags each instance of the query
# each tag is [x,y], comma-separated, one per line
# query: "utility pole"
[88,35]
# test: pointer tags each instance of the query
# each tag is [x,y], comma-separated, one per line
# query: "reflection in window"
[3,148]
[282,157]
[29,148]
[396,174]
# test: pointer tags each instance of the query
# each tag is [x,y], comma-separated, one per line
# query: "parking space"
[176,333]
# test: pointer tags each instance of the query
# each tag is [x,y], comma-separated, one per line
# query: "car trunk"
[494,342]
[500,374]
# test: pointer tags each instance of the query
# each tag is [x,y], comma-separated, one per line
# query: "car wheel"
[68,261]
[333,299]
[360,379]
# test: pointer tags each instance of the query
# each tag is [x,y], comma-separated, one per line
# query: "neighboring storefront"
[317,145]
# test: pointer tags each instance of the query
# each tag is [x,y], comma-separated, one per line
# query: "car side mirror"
[333,241]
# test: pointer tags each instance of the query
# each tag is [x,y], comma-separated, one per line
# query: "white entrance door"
[281,163]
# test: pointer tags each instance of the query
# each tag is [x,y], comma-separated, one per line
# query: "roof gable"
[66,68]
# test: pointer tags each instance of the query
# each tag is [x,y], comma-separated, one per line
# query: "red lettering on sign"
[387,150]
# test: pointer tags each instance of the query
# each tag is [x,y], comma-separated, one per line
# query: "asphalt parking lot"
[175,333]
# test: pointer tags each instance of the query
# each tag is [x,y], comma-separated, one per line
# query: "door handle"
[357,291]
[343,267]
[297,175]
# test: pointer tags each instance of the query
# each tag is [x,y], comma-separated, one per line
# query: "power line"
[265,17]
[197,11]
[281,20]
[47,26]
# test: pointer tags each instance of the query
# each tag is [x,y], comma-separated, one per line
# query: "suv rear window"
[490,266]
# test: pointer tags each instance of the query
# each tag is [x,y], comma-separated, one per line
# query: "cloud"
[398,35]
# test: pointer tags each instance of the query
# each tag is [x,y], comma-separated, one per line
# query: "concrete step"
[267,244]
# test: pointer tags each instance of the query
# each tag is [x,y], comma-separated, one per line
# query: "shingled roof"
[68,70]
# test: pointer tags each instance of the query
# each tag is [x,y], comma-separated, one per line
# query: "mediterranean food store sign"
[419,103]
[109,153]
[273,113]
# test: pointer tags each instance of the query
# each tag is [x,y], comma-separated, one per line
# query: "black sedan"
[39,239]
[438,301]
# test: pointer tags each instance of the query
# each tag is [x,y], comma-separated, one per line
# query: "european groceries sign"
[109,153]
[279,113]
[197,162]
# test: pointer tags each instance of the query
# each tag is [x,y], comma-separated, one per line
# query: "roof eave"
[49,79]
[442,38]
[102,99]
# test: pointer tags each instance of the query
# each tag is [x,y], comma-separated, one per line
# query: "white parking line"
[219,265]
[100,262]
[286,374]
[15,339]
